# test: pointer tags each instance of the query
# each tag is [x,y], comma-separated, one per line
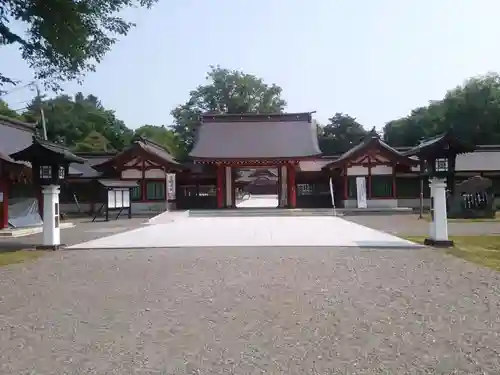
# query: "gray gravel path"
[249,311]
[410,225]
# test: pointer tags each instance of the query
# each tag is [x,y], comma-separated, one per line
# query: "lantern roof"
[440,146]
[44,151]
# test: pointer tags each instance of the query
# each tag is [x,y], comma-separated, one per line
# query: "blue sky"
[372,59]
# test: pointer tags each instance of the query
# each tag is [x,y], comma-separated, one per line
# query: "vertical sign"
[332,193]
[170,186]
[361,191]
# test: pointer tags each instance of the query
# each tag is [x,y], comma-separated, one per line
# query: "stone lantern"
[49,163]
[438,158]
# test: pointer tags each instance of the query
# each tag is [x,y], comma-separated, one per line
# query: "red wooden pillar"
[220,186]
[369,195]
[4,203]
[394,192]
[292,188]
[346,184]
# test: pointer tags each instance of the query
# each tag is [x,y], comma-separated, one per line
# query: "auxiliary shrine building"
[257,153]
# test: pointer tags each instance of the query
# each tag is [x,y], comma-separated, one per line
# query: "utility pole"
[42,114]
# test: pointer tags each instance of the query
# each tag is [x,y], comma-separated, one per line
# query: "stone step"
[252,212]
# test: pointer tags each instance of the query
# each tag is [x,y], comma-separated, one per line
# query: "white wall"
[382,170]
[155,173]
[357,171]
[478,161]
[131,173]
[313,165]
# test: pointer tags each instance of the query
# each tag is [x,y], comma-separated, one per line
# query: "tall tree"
[63,39]
[72,120]
[226,91]
[340,134]
[472,109]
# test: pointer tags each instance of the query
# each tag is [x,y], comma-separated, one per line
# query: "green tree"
[161,135]
[340,134]
[93,142]
[72,120]
[62,40]
[5,110]
[226,91]
[472,109]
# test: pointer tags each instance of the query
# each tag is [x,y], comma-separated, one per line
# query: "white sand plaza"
[285,231]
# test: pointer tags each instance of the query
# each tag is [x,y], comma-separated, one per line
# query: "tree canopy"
[77,122]
[340,134]
[84,124]
[226,91]
[61,40]
[472,109]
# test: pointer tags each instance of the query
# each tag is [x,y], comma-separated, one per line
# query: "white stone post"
[51,230]
[439,233]
[432,232]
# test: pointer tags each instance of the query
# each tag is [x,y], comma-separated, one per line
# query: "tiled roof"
[259,136]
[369,142]
[149,147]
[15,135]
[441,144]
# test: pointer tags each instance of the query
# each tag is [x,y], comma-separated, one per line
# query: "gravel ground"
[249,311]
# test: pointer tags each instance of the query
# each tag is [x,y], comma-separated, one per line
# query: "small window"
[304,189]
[155,190]
[135,193]
[381,186]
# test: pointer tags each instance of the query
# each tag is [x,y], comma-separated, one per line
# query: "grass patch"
[20,256]
[482,250]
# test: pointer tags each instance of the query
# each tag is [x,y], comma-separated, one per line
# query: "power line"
[17,88]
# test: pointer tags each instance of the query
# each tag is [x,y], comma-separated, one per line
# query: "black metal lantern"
[52,173]
[49,161]
[62,172]
[441,166]
[45,172]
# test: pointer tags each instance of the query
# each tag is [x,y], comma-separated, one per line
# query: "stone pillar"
[229,186]
[439,234]
[432,233]
[51,230]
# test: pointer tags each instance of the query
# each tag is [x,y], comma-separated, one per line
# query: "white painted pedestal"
[51,230]
[432,232]
[439,226]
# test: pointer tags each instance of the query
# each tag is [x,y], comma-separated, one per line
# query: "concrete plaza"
[198,232]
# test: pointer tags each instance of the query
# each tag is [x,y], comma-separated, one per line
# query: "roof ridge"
[147,140]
